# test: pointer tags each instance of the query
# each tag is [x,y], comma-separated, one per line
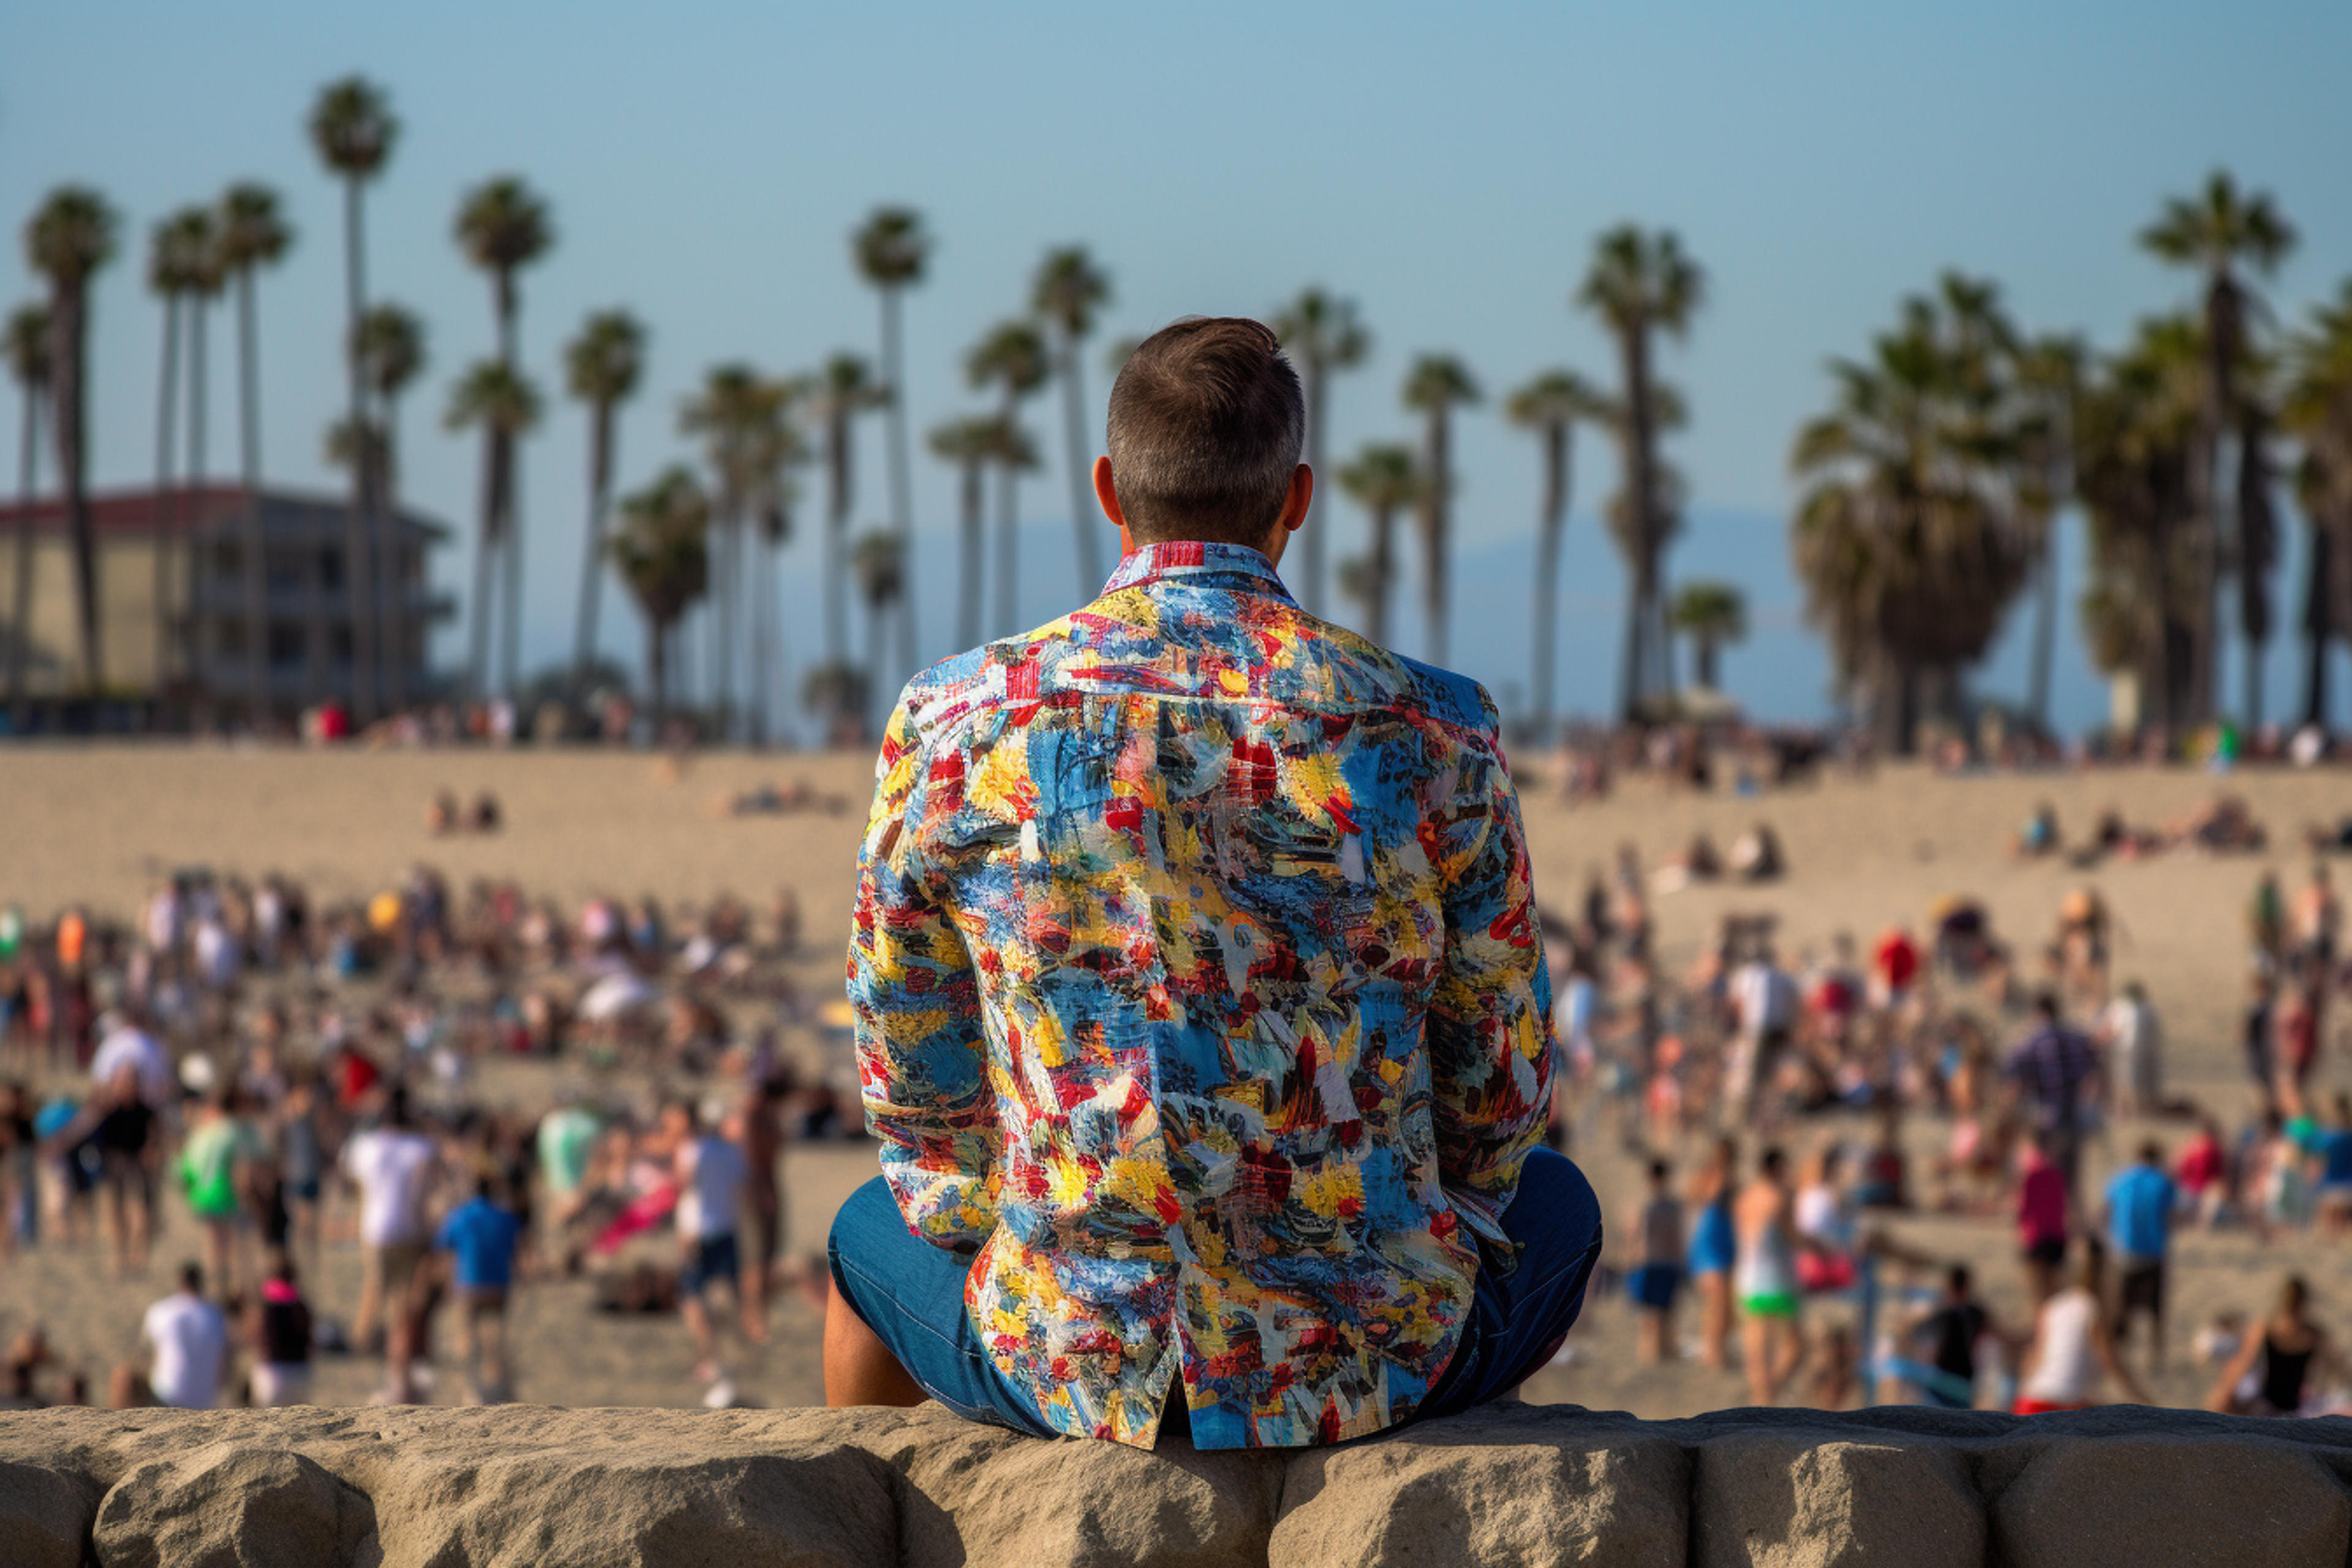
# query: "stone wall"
[530,1488]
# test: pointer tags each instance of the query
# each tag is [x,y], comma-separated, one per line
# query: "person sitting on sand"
[2274,1371]
[2069,1350]
[1185,1108]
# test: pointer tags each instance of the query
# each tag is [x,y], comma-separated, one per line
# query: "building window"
[228,562]
[228,638]
[339,643]
[284,570]
[331,569]
[286,643]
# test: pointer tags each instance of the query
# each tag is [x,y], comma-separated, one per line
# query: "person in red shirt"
[2201,1170]
[1895,962]
[2041,1217]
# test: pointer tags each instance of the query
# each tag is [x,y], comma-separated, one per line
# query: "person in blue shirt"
[480,1238]
[2141,1204]
[2336,1171]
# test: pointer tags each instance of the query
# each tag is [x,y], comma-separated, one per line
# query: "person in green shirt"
[217,1167]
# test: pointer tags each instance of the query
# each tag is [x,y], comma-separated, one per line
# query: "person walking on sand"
[1765,1279]
[395,1166]
[2056,1069]
[1713,1249]
[2140,1203]
[1199,994]
[1657,1279]
[2070,1350]
[190,1340]
[2042,1223]
[480,1238]
[712,1176]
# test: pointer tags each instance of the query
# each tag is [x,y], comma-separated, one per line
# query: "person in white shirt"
[1764,999]
[2135,1046]
[712,1175]
[2070,1351]
[190,1339]
[124,1044]
[395,1166]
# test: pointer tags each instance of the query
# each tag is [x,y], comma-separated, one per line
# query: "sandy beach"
[97,825]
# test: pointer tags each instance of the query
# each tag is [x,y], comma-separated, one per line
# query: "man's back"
[190,1341]
[1198,980]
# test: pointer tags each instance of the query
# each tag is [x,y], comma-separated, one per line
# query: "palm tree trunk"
[1312,578]
[2046,627]
[973,555]
[389,569]
[902,483]
[723,591]
[1074,422]
[1383,572]
[510,622]
[837,471]
[1642,503]
[762,651]
[255,581]
[2318,628]
[1551,529]
[1008,557]
[592,565]
[485,557]
[166,405]
[20,615]
[1435,526]
[69,416]
[657,674]
[356,531]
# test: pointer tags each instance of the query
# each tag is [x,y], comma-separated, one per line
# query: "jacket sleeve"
[1490,1025]
[914,1006]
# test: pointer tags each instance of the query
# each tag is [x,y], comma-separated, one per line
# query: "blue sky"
[1447,167]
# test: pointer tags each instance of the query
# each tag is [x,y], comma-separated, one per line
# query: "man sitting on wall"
[1200,1004]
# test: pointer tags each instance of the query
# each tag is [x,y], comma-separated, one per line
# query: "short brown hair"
[1206,421]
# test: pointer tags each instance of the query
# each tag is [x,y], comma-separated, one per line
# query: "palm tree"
[1014,358]
[845,388]
[67,241]
[502,226]
[1383,479]
[891,249]
[207,275]
[2317,409]
[1434,384]
[877,560]
[353,131]
[177,253]
[968,443]
[1014,453]
[503,405]
[1640,284]
[390,350]
[601,368]
[1066,292]
[1905,539]
[252,235]
[1713,616]
[1550,405]
[27,342]
[776,451]
[664,559]
[1322,334]
[2049,383]
[735,414]
[2215,232]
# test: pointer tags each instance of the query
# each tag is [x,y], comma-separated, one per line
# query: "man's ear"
[1108,495]
[1301,496]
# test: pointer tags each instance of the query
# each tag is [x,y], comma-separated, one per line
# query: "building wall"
[127,639]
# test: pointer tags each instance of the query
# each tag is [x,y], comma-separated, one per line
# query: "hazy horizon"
[705,170]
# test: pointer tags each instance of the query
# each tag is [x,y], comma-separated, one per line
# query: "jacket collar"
[1195,560]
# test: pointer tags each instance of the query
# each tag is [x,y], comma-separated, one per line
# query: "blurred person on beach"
[1948,1340]
[2043,1212]
[2070,1350]
[1714,1248]
[190,1341]
[277,1333]
[394,1167]
[2055,1070]
[1657,1279]
[479,1239]
[221,1171]
[2133,1039]
[1765,1279]
[2280,1370]
[712,1178]
[2140,1203]
[1267,1161]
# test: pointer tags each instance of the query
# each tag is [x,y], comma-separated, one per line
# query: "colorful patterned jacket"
[1198,987]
